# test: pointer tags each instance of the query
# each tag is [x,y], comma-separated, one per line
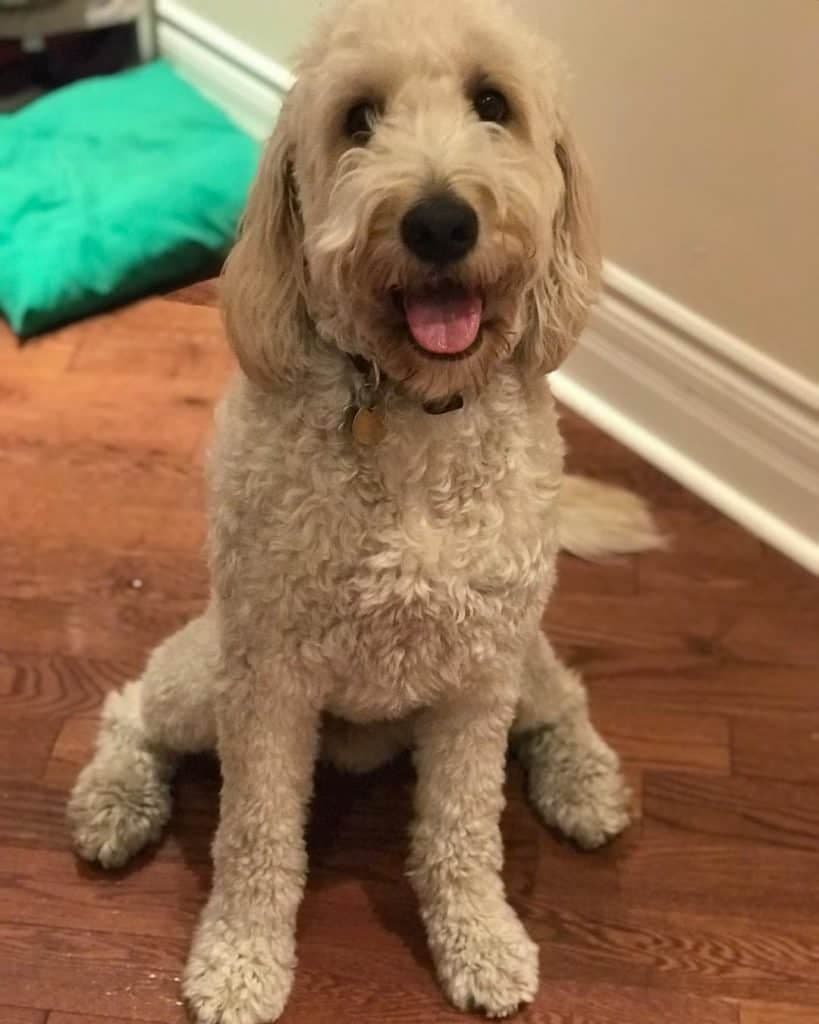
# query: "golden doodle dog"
[386,504]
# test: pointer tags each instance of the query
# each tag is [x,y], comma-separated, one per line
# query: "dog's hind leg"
[574,776]
[122,798]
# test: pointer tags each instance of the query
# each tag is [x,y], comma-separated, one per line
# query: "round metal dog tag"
[368,426]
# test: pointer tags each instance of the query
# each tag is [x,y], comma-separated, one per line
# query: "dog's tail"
[599,520]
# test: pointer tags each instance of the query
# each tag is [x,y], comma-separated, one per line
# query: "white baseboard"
[731,424]
[248,86]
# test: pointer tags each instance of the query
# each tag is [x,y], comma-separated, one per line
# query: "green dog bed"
[111,188]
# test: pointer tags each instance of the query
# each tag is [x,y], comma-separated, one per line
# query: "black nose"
[440,230]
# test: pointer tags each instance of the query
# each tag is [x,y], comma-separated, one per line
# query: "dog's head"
[421,203]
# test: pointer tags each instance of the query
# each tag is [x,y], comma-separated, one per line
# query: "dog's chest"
[438,552]
[436,588]
[404,568]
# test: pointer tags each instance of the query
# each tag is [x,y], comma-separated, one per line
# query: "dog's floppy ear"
[264,283]
[561,299]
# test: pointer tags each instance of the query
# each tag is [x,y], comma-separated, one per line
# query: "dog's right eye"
[491,105]
[360,122]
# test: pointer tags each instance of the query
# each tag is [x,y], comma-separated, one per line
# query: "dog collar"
[373,376]
[367,423]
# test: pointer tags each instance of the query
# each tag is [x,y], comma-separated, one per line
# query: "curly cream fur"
[392,593]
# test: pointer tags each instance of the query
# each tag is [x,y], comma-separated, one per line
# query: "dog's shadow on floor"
[359,832]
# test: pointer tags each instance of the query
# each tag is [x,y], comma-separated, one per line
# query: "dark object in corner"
[75,55]
[44,47]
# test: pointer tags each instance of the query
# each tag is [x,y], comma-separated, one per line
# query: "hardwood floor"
[703,667]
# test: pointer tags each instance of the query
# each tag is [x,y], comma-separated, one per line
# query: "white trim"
[733,426]
[248,102]
[146,34]
[725,346]
[209,34]
[246,84]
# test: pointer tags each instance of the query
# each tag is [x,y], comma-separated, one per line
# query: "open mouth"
[443,319]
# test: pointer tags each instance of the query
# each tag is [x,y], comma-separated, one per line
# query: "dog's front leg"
[241,965]
[484,958]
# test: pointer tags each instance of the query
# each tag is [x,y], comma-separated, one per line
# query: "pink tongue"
[445,321]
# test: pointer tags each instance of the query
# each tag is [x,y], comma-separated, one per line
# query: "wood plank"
[618,576]
[610,638]
[783,631]
[778,747]
[157,339]
[32,816]
[33,411]
[17,1015]
[777,1013]
[328,997]
[689,871]
[662,741]
[90,629]
[48,356]
[712,687]
[203,293]
[146,339]
[83,1018]
[709,954]
[121,499]
[779,814]
[707,554]
[72,750]
[58,685]
[569,1002]
[642,622]
[75,572]
[729,856]
[776,620]
[160,897]
[25,746]
[83,972]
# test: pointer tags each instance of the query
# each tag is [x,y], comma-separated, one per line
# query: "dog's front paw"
[236,977]
[576,785]
[485,962]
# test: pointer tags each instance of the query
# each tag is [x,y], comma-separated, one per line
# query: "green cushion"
[110,188]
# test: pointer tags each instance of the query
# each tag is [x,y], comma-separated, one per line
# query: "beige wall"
[702,122]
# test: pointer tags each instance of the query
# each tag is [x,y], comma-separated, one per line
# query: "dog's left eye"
[491,105]
[360,122]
